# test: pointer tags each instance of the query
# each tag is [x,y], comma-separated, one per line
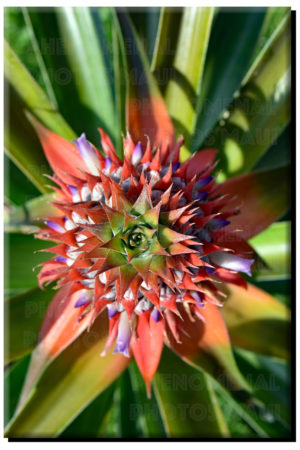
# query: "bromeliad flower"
[142,239]
[149,250]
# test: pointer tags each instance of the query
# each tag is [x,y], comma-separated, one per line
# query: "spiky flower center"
[141,238]
[136,238]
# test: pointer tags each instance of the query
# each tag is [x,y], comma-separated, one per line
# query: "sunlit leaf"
[69,384]
[273,245]
[273,17]
[257,321]
[32,95]
[165,44]
[88,65]
[88,423]
[261,108]
[228,58]
[184,84]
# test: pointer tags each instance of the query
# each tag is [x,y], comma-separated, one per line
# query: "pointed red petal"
[262,197]
[198,163]
[205,342]
[147,346]
[146,111]
[60,326]
[61,154]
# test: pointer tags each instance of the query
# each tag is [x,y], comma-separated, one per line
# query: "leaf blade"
[88,65]
[184,86]
[71,382]
[252,313]
[187,404]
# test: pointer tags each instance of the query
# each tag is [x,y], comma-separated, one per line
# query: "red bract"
[142,239]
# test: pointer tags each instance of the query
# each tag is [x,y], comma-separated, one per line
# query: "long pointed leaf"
[146,112]
[13,381]
[17,193]
[28,217]
[21,144]
[39,57]
[23,315]
[187,401]
[32,95]
[184,86]
[88,65]
[21,249]
[146,409]
[228,57]
[273,245]
[261,109]
[256,321]
[70,383]
[88,423]
[270,379]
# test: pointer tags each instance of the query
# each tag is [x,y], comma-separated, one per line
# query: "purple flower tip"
[232,262]
[112,310]
[155,315]
[73,189]
[61,259]
[175,166]
[216,224]
[124,336]
[87,153]
[202,196]
[82,300]
[54,226]
[203,182]
[197,296]
[137,154]
[108,163]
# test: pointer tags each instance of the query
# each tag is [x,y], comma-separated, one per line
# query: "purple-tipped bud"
[155,315]
[232,262]
[203,182]
[112,310]
[198,297]
[202,196]
[216,224]
[75,193]
[108,163]
[73,189]
[61,259]
[137,154]
[124,336]
[54,226]
[88,154]
[175,166]
[82,300]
